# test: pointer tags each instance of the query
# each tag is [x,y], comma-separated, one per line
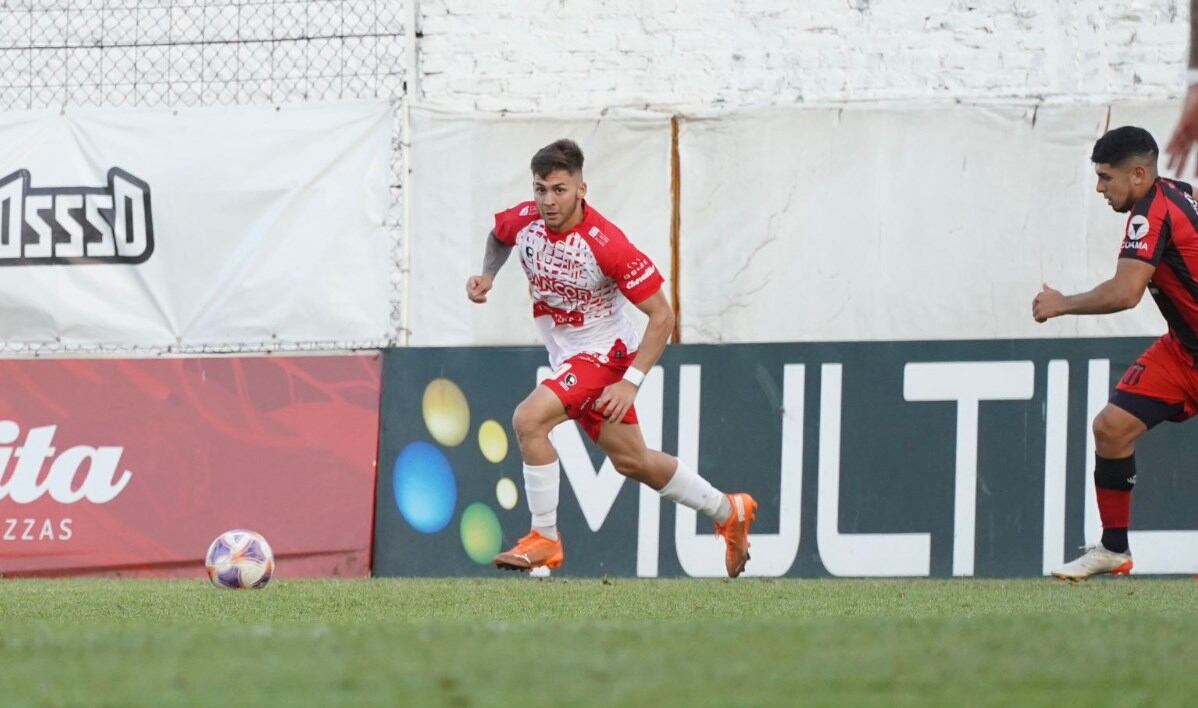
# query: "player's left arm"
[1121,292]
[617,398]
[657,332]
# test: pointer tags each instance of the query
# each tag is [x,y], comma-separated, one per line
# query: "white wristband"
[1192,77]
[634,376]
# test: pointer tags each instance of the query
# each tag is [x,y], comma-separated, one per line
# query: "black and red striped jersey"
[1162,229]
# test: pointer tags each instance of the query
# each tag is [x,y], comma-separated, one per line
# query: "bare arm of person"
[657,331]
[496,254]
[1121,292]
[1186,132]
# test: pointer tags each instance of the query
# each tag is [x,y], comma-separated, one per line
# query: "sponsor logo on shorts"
[1133,375]
[569,380]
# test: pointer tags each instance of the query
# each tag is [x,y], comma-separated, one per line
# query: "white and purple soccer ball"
[240,559]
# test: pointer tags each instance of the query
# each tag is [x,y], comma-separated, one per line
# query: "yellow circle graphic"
[506,493]
[482,536]
[492,440]
[446,412]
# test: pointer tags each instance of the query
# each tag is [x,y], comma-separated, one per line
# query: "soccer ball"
[240,559]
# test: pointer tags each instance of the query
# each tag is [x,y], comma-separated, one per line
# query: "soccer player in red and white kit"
[1159,253]
[582,271]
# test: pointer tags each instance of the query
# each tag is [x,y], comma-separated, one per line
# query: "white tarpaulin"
[867,222]
[898,223]
[466,167]
[238,226]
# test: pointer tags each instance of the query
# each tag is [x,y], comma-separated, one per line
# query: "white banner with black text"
[210,227]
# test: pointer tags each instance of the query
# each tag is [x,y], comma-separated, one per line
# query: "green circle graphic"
[481,533]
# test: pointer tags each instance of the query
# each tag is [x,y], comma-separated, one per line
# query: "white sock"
[687,488]
[541,485]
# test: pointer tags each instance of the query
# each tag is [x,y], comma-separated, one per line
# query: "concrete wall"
[555,55]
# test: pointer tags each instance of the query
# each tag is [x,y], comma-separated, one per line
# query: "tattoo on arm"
[497,254]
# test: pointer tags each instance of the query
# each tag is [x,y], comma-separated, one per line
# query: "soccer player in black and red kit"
[1159,253]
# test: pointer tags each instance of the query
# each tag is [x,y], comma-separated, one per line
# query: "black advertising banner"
[969,458]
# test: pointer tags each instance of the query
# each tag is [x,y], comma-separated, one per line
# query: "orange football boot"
[736,532]
[532,551]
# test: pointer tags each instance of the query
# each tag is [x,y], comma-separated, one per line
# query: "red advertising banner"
[132,467]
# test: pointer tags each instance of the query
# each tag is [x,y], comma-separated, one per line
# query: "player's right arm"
[1186,132]
[1148,234]
[1121,292]
[508,224]
[495,255]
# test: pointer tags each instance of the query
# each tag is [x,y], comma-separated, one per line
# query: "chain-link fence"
[182,53]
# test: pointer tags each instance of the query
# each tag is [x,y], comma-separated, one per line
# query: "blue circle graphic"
[425,490]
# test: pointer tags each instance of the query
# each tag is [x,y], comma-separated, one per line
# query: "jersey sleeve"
[1185,187]
[1148,229]
[510,222]
[633,272]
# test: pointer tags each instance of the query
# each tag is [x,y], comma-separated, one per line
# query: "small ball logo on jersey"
[1137,228]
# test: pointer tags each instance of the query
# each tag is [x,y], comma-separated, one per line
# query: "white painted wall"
[572,55]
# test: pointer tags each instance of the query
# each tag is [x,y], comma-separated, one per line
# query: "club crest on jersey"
[1137,228]
[75,225]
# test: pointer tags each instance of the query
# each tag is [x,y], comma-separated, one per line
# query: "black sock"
[1115,540]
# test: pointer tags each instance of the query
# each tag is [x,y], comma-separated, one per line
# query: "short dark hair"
[561,154]
[1124,143]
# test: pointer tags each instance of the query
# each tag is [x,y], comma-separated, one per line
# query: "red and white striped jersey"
[580,280]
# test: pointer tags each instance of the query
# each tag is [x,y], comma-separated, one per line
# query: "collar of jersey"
[552,235]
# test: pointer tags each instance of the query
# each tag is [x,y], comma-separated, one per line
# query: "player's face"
[1120,185]
[559,196]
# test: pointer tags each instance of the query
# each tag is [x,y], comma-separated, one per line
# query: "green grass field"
[515,641]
